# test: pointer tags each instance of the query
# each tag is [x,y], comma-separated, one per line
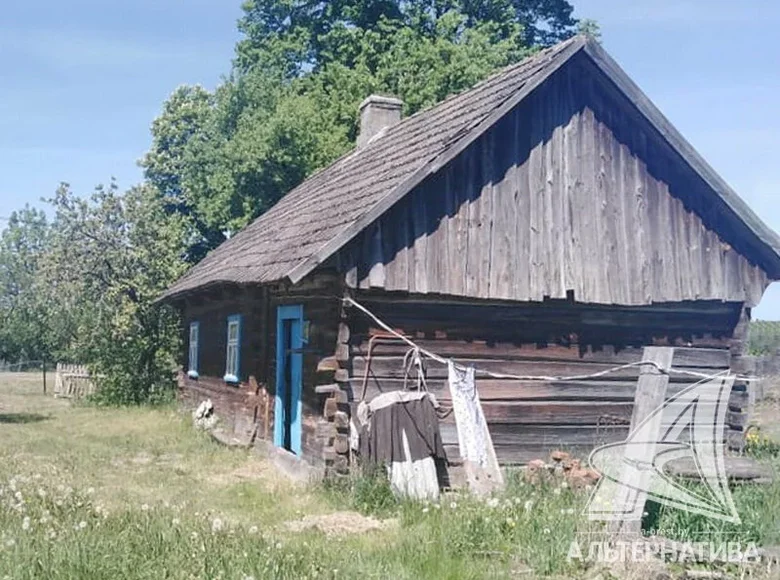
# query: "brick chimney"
[376,113]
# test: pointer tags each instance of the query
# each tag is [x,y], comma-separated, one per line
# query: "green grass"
[137,493]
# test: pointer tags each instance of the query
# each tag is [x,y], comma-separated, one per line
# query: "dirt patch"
[340,524]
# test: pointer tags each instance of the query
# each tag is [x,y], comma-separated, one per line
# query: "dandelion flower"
[82,524]
[216,525]
[453,505]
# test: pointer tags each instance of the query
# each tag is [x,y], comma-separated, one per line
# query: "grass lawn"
[137,493]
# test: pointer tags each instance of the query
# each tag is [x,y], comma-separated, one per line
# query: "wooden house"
[549,221]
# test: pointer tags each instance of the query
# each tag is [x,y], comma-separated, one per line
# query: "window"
[192,371]
[233,354]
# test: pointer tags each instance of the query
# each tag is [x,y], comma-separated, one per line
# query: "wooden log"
[330,409]
[341,444]
[341,420]
[343,333]
[712,358]
[737,468]
[393,367]
[328,364]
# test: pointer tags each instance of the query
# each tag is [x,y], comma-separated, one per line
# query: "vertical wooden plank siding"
[565,196]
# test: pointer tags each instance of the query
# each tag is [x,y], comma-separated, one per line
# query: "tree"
[111,256]
[29,327]
[290,105]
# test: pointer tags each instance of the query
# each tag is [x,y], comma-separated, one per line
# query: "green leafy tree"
[111,255]
[300,72]
[30,329]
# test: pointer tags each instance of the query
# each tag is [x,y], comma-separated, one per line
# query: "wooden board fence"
[73,382]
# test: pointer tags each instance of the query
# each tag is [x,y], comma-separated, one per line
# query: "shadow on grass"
[21,418]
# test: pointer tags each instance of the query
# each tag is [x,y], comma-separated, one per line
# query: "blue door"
[289,375]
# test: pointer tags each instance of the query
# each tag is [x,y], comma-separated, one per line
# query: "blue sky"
[80,83]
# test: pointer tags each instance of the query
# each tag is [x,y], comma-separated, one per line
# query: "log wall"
[242,407]
[528,419]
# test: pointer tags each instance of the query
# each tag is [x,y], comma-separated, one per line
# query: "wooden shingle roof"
[326,211]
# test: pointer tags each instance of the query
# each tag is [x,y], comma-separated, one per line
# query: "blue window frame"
[233,351]
[192,369]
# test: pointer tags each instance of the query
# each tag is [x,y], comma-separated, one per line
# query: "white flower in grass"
[557,491]
[145,507]
[37,476]
[12,485]
[278,545]
[175,521]
[493,502]
[454,505]
[26,523]
[10,542]
[253,530]
[18,496]
[51,534]
[217,525]
[528,506]
[58,502]
[546,531]
[564,485]
[41,492]
[82,525]
[90,491]
[437,506]
[194,535]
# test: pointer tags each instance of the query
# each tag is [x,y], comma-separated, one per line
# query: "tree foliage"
[301,69]
[82,288]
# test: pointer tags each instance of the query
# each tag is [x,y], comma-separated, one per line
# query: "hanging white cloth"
[474,441]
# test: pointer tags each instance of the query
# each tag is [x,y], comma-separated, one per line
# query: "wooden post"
[638,459]
[43,365]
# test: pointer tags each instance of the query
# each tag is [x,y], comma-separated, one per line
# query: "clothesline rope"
[540,378]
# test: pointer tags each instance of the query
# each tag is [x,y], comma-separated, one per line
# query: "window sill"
[232,379]
[193,374]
